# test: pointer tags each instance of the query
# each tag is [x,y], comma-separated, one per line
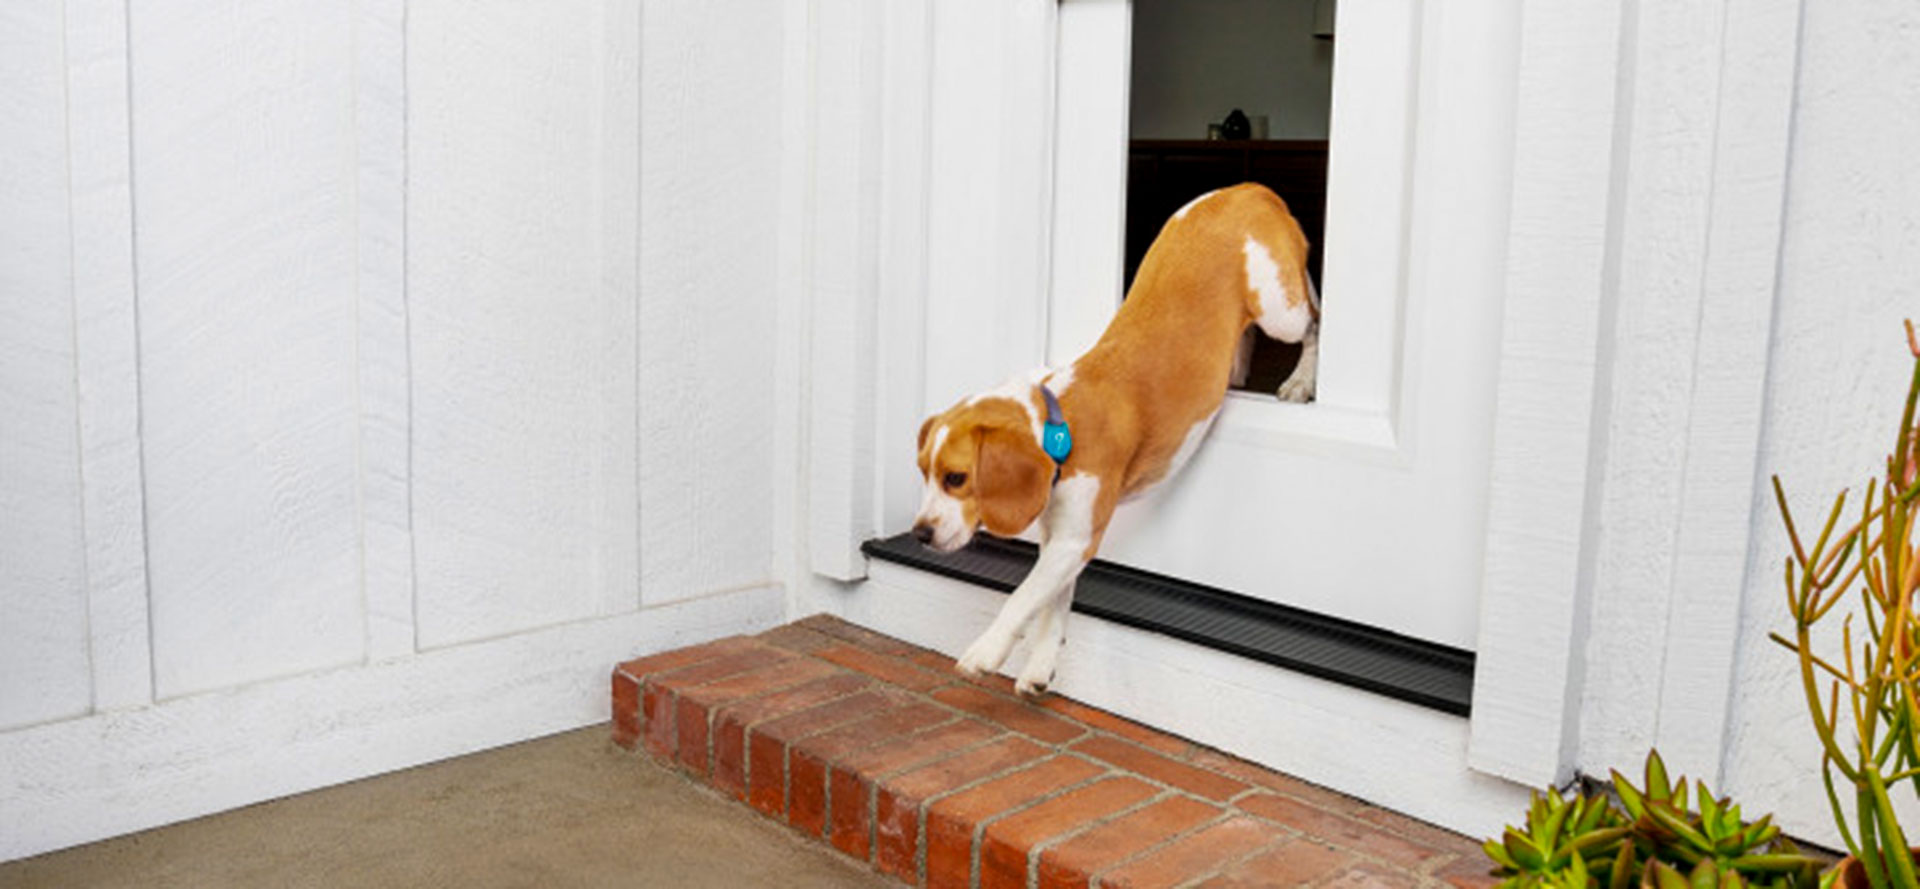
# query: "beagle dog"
[1062,446]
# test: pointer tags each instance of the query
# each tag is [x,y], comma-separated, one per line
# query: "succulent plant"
[1666,830]
[1705,875]
[1568,842]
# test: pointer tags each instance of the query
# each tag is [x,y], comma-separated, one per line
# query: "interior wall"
[374,377]
[1277,67]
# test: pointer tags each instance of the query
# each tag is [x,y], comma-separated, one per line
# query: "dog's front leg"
[1075,516]
[1043,653]
[1052,576]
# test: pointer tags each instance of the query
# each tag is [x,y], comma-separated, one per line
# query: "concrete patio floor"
[568,810]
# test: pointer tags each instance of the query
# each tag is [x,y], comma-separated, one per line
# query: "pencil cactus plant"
[1862,697]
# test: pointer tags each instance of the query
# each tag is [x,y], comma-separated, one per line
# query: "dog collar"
[1054,437]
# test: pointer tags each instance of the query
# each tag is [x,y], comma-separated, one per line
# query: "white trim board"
[86,779]
[1393,754]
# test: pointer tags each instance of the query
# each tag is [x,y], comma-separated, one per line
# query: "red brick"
[1160,768]
[657,725]
[1013,713]
[953,820]
[794,637]
[1071,863]
[1260,776]
[883,727]
[638,668]
[626,710]
[1367,875]
[1195,855]
[691,718]
[1432,836]
[898,754]
[850,813]
[890,669]
[806,793]
[1006,844]
[1293,863]
[1125,728]
[850,819]
[731,722]
[1468,872]
[858,635]
[767,743]
[898,801]
[721,667]
[810,759]
[771,678]
[1338,829]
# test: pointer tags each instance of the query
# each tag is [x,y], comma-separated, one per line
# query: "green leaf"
[1498,854]
[1772,863]
[1622,868]
[1706,875]
[1667,819]
[1630,796]
[1525,855]
[1658,787]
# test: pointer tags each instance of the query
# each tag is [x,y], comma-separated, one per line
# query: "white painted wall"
[1196,60]
[1837,360]
[372,378]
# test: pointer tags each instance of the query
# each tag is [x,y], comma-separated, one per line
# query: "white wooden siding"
[321,333]
[521,222]
[242,130]
[43,622]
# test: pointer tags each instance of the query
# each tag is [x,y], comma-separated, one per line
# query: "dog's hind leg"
[1300,384]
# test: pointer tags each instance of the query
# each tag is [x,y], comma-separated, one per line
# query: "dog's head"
[982,467]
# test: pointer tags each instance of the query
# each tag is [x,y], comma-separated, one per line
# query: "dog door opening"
[1224,92]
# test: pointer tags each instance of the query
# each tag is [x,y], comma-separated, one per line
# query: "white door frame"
[1549,424]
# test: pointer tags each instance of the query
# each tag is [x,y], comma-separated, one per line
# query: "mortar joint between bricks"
[979,842]
[926,805]
[876,781]
[1093,879]
[1236,861]
[1040,848]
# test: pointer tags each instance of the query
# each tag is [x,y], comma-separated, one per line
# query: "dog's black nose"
[923,533]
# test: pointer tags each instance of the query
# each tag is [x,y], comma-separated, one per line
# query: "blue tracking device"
[1054,437]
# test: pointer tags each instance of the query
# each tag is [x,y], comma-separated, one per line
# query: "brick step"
[880,749]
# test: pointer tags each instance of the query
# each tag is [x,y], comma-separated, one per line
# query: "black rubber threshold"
[1401,667]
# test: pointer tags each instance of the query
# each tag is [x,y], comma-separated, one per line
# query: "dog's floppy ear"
[1012,478]
[925,428]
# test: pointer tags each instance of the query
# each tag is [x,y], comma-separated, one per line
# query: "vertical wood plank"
[1525,701]
[1090,172]
[107,337]
[1723,495]
[711,149]
[1667,110]
[242,123]
[905,178]
[43,607]
[386,571]
[520,236]
[844,284]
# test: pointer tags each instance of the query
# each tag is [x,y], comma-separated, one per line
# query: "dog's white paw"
[1296,390]
[986,654]
[1037,675]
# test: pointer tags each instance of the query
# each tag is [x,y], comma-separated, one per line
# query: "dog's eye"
[954,480]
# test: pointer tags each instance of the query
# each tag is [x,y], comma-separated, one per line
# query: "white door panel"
[1370,503]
